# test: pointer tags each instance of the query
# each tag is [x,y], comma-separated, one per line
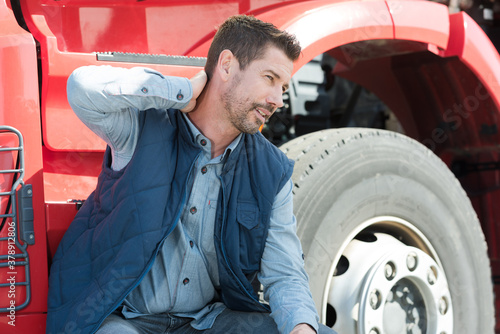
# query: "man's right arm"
[108,100]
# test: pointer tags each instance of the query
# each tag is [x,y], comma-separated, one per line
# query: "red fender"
[469,43]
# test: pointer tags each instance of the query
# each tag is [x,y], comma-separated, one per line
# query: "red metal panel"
[59,216]
[70,175]
[19,108]
[472,46]
[327,26]
[420,21]
[25,323]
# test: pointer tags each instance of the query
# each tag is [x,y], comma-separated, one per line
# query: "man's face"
[255,93]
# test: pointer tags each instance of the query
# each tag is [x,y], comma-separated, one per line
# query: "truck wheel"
[391,241]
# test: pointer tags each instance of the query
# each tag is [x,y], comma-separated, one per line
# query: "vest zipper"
[150,264]
[224,251]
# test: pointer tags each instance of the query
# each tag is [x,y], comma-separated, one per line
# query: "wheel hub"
[405,310]
[387,287]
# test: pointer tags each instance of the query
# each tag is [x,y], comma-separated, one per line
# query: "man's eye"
[270,77]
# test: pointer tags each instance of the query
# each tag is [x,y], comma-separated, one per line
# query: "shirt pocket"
[252,236]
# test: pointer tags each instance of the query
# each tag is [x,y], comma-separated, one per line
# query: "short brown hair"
[247,38]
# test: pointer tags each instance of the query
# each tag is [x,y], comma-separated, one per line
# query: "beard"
[241,111]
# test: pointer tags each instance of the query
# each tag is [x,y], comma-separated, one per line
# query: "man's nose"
[276,98]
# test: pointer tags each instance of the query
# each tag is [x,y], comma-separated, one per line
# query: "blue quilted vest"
[115,237]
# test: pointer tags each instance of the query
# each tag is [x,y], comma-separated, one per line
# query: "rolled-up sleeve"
[286,284]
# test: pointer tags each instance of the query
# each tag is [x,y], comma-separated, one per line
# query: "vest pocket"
[251,236]
[248,215]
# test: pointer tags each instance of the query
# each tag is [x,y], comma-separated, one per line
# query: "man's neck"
[208,117]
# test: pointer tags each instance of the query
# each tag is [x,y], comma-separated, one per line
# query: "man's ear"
[226,63]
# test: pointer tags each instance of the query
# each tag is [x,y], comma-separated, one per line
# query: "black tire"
[346,178]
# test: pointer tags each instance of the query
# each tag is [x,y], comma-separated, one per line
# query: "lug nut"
[443,305]
[390,270]
[431,276]
[412,261]
[375,299]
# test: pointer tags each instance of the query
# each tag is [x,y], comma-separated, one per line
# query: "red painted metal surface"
[33,323]
[19,107]
[436,71]
[59,215]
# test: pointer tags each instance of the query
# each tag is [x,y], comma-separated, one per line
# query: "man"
[192,208]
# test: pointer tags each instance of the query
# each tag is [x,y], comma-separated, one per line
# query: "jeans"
[228,321]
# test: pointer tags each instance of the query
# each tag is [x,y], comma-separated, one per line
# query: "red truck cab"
[436,73]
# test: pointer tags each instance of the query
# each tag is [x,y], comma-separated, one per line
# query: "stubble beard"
[239,114]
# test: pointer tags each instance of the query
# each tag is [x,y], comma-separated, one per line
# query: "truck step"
[145,58]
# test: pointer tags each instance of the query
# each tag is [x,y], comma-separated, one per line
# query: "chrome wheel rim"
[388,279]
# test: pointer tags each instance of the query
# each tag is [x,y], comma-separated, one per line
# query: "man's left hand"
[303,329]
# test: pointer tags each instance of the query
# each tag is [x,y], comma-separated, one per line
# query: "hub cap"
[384,286]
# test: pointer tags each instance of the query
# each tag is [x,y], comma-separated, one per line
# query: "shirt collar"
[196,134]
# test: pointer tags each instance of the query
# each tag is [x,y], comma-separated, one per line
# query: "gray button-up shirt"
[184,276]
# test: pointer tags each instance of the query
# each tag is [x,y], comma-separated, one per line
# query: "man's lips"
[263,113]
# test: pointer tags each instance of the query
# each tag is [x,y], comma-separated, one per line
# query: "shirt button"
[191,243]
[203,142]
[193,210]
[180,96]
[185,281]
[144,90]
[204,169]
